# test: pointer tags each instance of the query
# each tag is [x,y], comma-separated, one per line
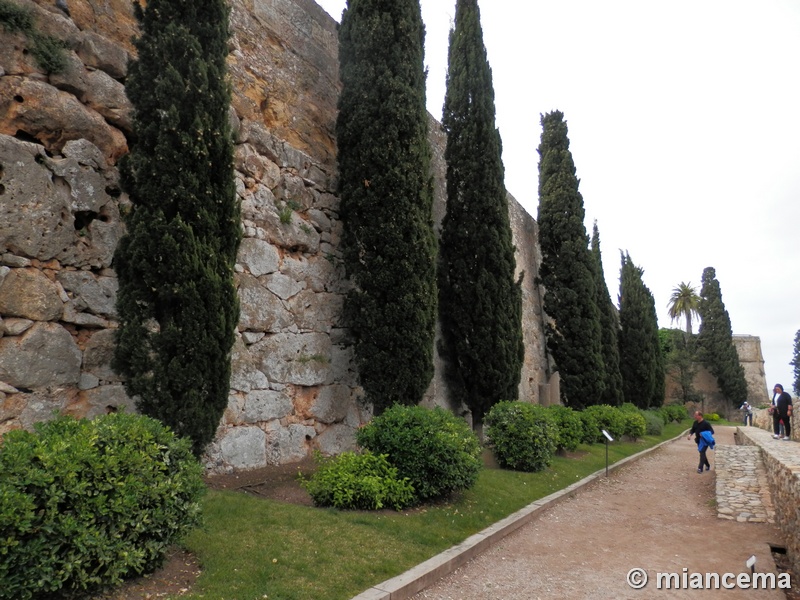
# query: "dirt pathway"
[657,514]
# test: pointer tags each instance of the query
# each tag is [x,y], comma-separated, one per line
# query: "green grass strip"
[256,549]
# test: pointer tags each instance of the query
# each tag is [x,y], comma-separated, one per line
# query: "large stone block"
[45,356]
[29,294]
[261,310]
[336,439]
[299,359]
[54,117]
[316,311]
[287,444]
[244,448]
[96,294]
[245,375]
[258,257]
[105,399]
[266,405]
[57,208]
[331,404]
[320,273]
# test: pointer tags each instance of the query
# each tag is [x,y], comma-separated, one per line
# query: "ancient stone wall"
[293,387]
[782,466]
[748,347]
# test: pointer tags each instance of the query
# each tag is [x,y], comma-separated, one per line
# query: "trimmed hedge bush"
[570,427]
[673,412]
[362,481]
[522,436]
[634,423]
[435,450]
[85,504]
[591,427]
[607,417]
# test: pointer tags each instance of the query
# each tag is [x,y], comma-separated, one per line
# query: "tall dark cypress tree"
[480,303]
[609,326]
[567,271]
[795,362]
[385,184]
[177,302]
[715,341]
[640,357]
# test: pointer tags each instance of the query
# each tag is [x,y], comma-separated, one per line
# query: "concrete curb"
[426,573]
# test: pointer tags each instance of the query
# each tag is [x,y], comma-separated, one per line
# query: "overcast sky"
[684,124]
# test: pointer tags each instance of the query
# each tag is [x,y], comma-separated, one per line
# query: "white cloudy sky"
[684,123]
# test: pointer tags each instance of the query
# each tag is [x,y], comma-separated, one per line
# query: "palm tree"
[683,303]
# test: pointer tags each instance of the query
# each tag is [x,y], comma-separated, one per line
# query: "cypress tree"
[567,271]
[480,303]
[795,362]
[609,328]
[389,246]
[641,361]
[715,341]
[177,302]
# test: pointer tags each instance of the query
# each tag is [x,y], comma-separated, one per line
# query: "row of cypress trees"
[389,244]
[605,356]
[177,302]
[602,356]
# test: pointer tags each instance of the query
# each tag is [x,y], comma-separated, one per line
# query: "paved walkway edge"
[426,573]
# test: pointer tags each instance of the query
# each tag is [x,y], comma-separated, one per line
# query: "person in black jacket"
[781,411]
[699,426]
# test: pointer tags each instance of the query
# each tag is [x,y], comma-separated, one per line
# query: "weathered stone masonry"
[293,387]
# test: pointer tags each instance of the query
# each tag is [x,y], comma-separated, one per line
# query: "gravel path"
[657,514]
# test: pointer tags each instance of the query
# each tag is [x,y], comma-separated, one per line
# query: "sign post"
[608,439]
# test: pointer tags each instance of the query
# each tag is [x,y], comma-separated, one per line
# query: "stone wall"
[782,466]
[748,347]
[293,386]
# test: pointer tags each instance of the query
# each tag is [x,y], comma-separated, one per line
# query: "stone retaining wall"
[782,466]
[763,420]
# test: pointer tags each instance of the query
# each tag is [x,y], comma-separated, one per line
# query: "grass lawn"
[256,549]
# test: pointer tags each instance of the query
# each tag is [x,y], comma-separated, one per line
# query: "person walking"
[781,413]
[748,413]
[700,426]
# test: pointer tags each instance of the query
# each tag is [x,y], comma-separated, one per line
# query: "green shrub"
[591,427]
[712,417]
[15,18]
[362,481]
[435,450]
[654,422]
[522,436]
[609,418]
[84,504]
[628,407]
[635,424]
[47,51]
[570,427]
[673,412]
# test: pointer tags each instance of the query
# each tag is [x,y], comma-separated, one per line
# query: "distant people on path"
[748,413]
[781,412]
[704,437]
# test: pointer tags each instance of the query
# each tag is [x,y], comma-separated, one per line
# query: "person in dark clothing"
[748,413]
[781,411]
[699,426]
